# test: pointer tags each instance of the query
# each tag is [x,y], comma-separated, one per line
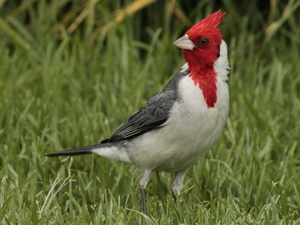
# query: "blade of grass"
[129,10]
[5,27]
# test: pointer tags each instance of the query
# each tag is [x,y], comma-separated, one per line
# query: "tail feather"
[115,151]
[75,151]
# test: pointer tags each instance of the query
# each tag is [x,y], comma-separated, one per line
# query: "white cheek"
[221,65]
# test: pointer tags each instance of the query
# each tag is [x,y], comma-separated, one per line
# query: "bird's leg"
[143,184]
[143,200]
[177,183]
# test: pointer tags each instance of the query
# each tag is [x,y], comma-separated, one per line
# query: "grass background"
[72,71]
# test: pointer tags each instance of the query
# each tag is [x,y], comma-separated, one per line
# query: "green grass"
[60,90]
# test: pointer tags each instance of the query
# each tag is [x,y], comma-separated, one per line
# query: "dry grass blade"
[82,16]
[129,10]
[276,25]
[178,13]
[182,17]
[68,16]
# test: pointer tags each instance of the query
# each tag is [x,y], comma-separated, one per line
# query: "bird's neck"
[205,77]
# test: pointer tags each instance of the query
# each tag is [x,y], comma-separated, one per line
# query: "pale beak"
[184,43]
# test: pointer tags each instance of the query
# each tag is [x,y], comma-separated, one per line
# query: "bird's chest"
[194,125]
[192,112]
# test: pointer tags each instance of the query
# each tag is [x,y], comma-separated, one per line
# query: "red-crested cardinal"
[177,126]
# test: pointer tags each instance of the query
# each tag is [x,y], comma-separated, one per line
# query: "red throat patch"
[207,82]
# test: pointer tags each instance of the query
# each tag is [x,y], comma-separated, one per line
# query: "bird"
[178,125]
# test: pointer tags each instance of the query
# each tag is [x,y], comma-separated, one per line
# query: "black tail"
[75,151]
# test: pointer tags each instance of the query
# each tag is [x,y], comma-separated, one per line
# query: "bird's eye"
[203,41]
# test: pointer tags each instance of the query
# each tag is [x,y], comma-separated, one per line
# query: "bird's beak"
[184,43]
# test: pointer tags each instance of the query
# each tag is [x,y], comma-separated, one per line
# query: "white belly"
[190,131]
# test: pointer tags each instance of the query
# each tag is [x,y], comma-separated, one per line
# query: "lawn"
[72,71]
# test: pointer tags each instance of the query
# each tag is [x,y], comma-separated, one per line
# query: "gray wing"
[153,114]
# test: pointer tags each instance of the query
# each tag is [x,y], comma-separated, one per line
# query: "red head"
[201,48]
[201,43]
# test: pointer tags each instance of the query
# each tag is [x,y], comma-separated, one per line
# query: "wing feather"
[152,115]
